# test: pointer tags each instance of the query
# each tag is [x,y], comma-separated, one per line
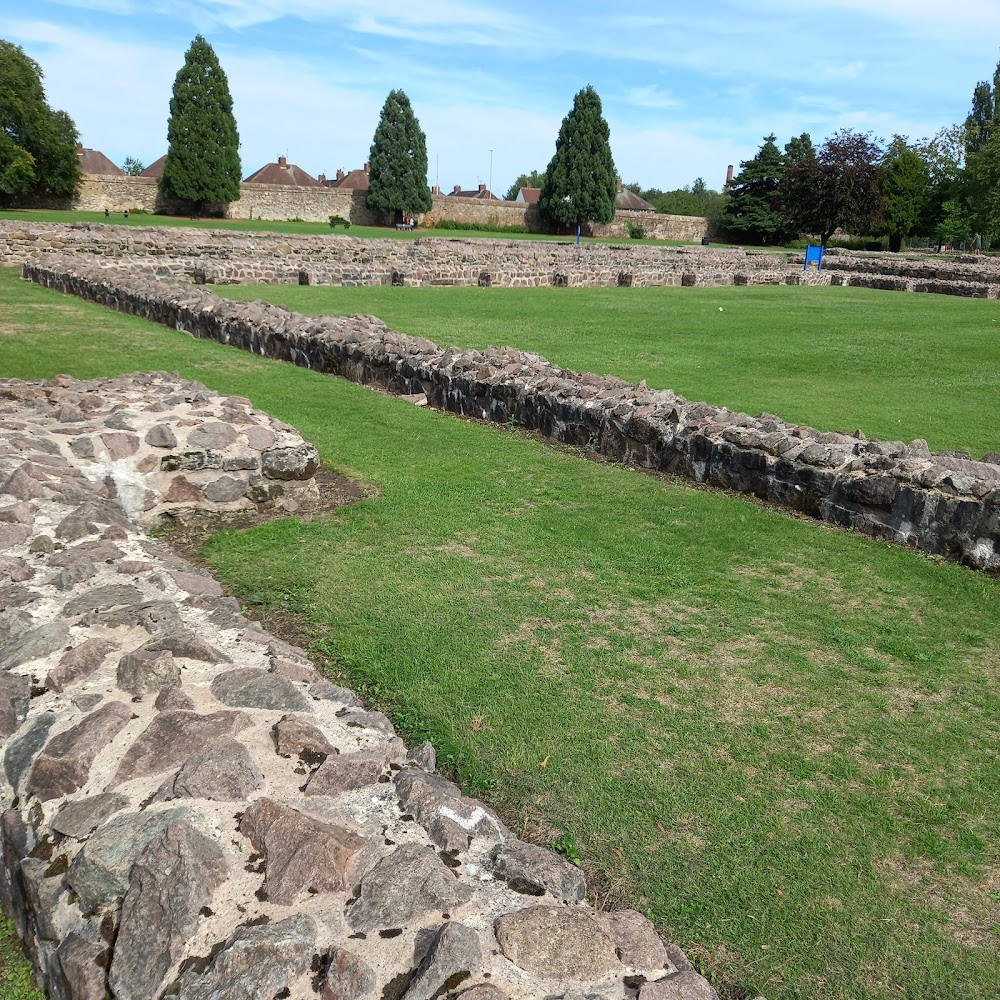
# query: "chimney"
[729,177]
[436,189]
[618,183]
[79,149]
[482,189]
[368,168]
[340,174]
[282,162]
[322,178]
[457,189]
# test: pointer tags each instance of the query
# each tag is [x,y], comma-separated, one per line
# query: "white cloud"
[651,96]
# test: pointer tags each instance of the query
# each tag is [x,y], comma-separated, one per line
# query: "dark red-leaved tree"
[837,188]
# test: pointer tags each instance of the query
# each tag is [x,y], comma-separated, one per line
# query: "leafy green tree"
[755,211]
[203,144]
[133,167]
[982,188]
[398,157]
[798,149]
[839,187]
[905,189]
[37,145]
[534,179]
[944,155]
[580,182]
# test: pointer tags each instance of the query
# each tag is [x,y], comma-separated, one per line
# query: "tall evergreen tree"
[37,145]
[203,144]
[798,149]
[980,121]
[580,179]
[905,189]
[754,210]
[398,157]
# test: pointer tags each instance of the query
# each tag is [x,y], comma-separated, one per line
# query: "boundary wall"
[316,204]
[946,503]
[188,808]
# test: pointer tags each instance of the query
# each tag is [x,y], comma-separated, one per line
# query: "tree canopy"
[580,183]
[905,191]
[203,144]
[535,179]
[37,144]
[398,157]
[755,209]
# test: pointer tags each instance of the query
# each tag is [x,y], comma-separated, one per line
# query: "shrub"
[339,220]
[481,227]
[636,230]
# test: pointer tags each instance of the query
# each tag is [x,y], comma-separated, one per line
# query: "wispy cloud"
[651,96]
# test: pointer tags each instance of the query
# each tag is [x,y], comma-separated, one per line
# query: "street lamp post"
[491,174]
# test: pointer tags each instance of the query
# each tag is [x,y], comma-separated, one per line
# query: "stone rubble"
[188,808]
[946,503]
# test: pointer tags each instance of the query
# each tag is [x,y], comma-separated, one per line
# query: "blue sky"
[687,88]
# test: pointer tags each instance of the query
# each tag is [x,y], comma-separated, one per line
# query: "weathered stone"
[635,939]
[15,699]
[185,644]
[171,738]
[249,687]
[80,662]
[87,701]
[451,819]
[212,434]
[143,671]
[195,583]
[63,766]
[83,448]
[324,690]
[225,489]
[360,719]
[556,942]
[21,753]
[120,444]
[21,486]
[294,736]
[680,986]
[222,772]
[423,756]
[290,463]
[76,572]
[133,567]
[534,871]
[73,527]
[161,436]
[259,438]
[182,490]
[172,880]
[79,971]
[173,699]
[300,851]
[111,595]
[403,888]
[484,991]
[454,956]
[294,670]
[15,569]
[345,772]
[81,818]
[14,622]
[258,963]
[347,977]
[42,640]
[16,595]
[13,534]
[99,874]
[153,616]
[17,513]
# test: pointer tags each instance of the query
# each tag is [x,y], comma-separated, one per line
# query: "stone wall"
[189,809]
[316,204]
[946,503]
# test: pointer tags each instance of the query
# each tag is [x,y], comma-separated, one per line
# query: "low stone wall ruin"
[188,808]
[946,503]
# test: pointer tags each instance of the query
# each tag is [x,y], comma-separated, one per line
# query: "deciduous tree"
[203,154]
[579,183]
[905,190]
[398,157]
[37,145]
[840,187]
[535,179]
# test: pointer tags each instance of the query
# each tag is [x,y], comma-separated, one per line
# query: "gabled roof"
[282,172]
[529,195]
[629,201]
[93,161]
[155,169]
[355,180]
[480,192]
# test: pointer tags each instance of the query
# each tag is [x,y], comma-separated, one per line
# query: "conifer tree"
[398,158]
[755,209]
[579,182]
[37,144]
[203,156]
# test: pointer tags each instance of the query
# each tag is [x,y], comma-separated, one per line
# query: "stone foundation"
[189,809]
[946,503]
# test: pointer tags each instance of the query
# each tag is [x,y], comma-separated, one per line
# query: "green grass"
[17,981]
[301,228]
[777,739]
[898,366]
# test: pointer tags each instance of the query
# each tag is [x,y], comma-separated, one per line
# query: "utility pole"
[491,174]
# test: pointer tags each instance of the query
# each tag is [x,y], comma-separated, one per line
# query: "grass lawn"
[302,228]
[899,366]
[777,739]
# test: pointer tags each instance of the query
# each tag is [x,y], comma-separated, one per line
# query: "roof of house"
[355,180]
[282,172]
[480,192]
[529,195]
[629,201]
[93,161]
[155,169]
